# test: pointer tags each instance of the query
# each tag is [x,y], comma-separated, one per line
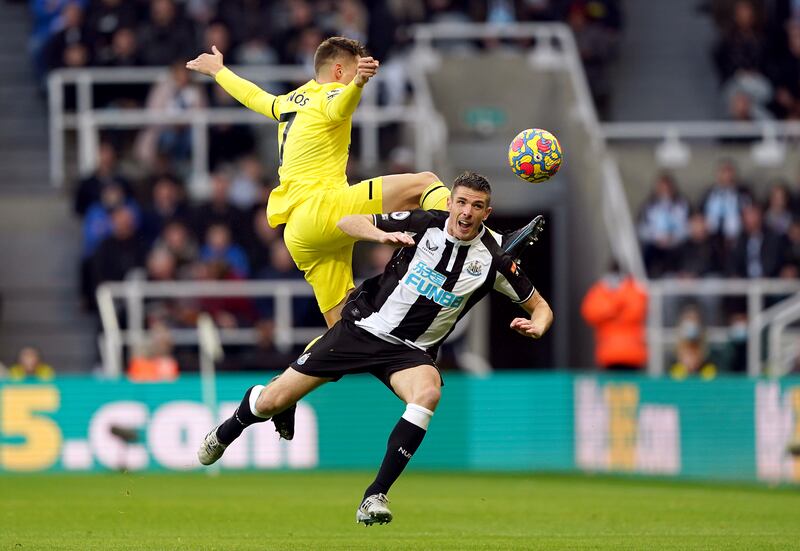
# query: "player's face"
[468,209]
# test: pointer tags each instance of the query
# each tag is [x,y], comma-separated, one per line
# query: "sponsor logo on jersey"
[302,359]
[400,215]
[430,246]
[428,283]
[333,93]
[474,268]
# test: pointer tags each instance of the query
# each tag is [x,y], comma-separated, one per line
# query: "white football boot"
[374,510]
[211,449]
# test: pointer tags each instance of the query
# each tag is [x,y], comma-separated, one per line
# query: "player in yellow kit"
[314,123]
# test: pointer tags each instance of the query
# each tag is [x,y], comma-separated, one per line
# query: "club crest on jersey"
[302,359]
[430,246]
[474,268]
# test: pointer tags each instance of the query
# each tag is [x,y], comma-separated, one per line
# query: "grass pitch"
[432,511]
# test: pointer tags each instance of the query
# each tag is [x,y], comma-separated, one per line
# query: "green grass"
[432,511]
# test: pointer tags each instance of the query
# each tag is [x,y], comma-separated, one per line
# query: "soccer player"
[394,323]
[314,123]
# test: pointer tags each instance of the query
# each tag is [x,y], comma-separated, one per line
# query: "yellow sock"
[309,345]
[435,197]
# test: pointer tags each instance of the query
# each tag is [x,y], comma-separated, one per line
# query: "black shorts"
[346,349]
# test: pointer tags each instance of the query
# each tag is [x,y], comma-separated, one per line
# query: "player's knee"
[272,401]
[424,180]
[428,397]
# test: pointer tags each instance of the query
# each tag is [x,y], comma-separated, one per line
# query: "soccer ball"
[535,155]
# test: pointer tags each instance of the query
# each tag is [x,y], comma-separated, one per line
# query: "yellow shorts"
[321,250]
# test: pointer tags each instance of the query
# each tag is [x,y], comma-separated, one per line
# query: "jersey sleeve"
[512,281]
[341,103]
[248,94]
[416,221]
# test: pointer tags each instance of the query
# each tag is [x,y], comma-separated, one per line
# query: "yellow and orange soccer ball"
[535,155]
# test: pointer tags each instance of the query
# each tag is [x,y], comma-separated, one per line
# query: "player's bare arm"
[541,317]
[208,64]
[361,227]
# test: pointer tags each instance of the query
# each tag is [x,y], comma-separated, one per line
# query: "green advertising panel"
[727,429]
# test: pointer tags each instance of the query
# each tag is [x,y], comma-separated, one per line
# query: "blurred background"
[133,198]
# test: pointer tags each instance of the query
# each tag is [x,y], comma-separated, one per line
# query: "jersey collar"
[464,243]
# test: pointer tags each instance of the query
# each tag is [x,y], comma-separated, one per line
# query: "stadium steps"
[39,302]
[658,75]
[23,124]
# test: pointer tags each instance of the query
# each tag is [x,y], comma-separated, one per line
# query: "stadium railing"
[774,318]
[133,293]
[88,120]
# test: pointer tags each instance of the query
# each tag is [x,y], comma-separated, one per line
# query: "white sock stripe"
[254,398]
[420,409]
[418,415]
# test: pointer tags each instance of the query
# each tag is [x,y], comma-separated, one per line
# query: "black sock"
[242,418]
[403,442]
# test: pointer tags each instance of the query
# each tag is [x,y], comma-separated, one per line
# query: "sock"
[244,416]
[403,443]
[434,197]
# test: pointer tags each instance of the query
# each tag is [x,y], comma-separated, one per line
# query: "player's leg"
[413,190]
[259,404]
[420,388]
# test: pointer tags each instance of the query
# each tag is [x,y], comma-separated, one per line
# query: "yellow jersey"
[314,123]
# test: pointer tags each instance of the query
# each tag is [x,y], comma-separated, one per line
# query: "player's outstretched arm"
[541,317]
[247,93]
[362,228]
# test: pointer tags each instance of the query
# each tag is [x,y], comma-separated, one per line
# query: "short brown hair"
[335,47]
[474,181]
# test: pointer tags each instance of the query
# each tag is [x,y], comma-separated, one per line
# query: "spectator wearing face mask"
[691,353]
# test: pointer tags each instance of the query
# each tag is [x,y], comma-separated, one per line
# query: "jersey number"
[288,118]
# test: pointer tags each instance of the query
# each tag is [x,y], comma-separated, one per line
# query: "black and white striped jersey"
[424,290]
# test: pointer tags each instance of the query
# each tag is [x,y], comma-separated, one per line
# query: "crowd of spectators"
[152,228]
[117,33]
[757,58]
[730,232]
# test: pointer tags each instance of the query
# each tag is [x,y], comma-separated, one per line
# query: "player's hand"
[397,239]
[208,64]
[367,68]
[527,328]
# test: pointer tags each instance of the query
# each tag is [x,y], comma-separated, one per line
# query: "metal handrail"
[87,120]
[758,318]
[135,291]
[654,130]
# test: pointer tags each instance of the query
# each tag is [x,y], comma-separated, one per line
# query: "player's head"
[336,59]
[468,205]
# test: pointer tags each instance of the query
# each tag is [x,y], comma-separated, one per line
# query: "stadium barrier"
[726,429]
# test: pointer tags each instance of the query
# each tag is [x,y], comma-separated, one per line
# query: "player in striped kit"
[393,324]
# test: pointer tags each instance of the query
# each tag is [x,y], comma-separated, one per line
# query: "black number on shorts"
[288,118]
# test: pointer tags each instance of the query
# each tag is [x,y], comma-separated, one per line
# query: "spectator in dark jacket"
[122,251]
[167,36]
[698,256]
[106,173]
[759,251]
